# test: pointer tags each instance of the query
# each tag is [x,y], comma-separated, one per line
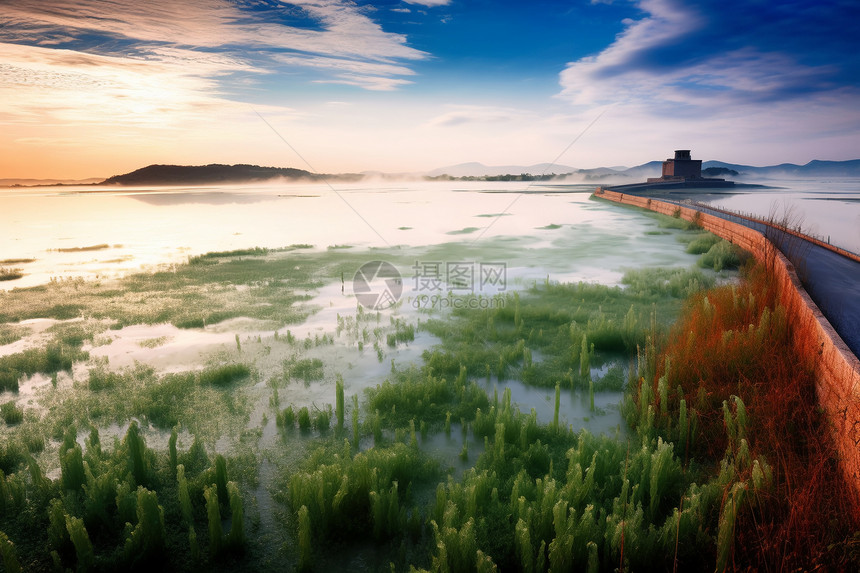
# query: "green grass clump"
[10,333]
[8,554]
[123,509]
[10,274]
[403,333]
[322,418]
[677,283]
[207,402]
[702,243]
[51,359]
[225,375]
[306,369]
[359,496]
[415,393]
[11,413]
[210,257]
[193,295]
[722,256]
[463,231]
[553,319]
[286,418]
[304,419]
[12,455]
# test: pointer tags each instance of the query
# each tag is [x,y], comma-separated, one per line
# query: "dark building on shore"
[681,168]
[680,172]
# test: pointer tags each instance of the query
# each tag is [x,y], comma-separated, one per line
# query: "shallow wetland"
[236,409]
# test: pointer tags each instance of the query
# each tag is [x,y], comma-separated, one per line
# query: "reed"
[147,540]
[81,540]
[9,554]
[355,422]
[184,497]
[339,402]
[213,515]
[304,419]
[236,537]
[305,540]
[137,454]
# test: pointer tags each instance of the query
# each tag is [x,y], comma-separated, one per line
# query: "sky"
[93,88]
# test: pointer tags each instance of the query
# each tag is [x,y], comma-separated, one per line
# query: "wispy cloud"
[774,79]
[111,60]
[429,3]
[476,114]
[687,56]
[373,83]
[48,85]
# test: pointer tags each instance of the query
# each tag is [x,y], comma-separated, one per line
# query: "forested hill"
[209,174]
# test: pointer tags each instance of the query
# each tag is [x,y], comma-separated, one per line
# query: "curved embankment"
[837,368]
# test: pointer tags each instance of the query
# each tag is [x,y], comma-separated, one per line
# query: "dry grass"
[738,341]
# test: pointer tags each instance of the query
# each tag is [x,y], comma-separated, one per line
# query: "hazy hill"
[218,174]
[816,168]
[475,169]
[206,174]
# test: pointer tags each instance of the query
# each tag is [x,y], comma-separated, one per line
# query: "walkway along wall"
[837,369]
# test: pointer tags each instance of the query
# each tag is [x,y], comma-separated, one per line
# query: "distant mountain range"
[217,173]
[814,168]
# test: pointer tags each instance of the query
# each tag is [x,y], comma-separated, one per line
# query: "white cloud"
[373,83]
[666,63]
[215,28]
[476,114]
[429,3]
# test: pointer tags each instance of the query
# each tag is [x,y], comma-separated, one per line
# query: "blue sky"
[97,87]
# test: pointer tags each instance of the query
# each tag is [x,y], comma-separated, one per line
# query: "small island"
[682,172]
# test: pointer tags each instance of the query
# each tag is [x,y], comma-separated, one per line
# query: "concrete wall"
[837,369]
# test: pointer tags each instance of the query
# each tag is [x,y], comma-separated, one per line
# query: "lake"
[96,232]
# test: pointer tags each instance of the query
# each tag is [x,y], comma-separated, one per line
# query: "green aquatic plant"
[147,540]
[305,369]
[723,255]
[236,537]
[339,401]
[304,418]
[305,540]
[414,392]
[184,497]
[224,375]
[81,540]
[53,358]
[9,555]
[11,413]
[213,514]
[72,474]
[701,244]
[138,461]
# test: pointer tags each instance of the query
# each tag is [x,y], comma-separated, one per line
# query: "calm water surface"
[91,232]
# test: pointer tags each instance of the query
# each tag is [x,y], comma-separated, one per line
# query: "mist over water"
[92,232]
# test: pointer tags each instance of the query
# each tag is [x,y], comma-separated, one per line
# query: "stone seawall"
[837,368]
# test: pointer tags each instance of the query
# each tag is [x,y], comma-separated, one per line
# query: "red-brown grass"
[738,340]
